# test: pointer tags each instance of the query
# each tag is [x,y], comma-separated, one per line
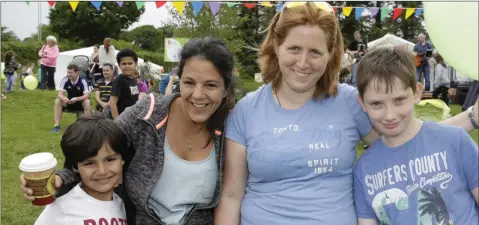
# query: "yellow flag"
[409,12]
[74,5]
[179,6]
[347,10]
[266,4]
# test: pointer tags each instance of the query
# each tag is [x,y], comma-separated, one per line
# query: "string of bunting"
[215,7]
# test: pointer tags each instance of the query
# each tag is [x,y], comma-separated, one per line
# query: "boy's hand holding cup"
[38,181]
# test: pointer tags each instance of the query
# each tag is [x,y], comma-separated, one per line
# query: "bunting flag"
[384,13]
[231,4]
[140,4]
[279,7]
[397,13]
[28,3]
[74,5]
[409,12]
[215,7]
[358,12]
[196,7]
[418,12]
[179,6]
[96,4]
[373,11]
[347,10]
[249,5]
[160,4]
[266,4]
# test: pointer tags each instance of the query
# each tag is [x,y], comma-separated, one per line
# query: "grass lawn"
[26,123]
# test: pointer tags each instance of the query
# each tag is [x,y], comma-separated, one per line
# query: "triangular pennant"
[231,4]
[335,9]
[409,12]
[266,4]
[279,7]
[74,5]
[140,4]
[358,12]
[418,12]
[384,13]
[373,11]
[51,3]
[215,7]
[196,7]
[347,10]
[179,6]
[120,3]
[249,5]
[397,13]
[28,2]
[160,3]
[96,4]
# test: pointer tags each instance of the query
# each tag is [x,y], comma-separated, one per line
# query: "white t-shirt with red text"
[78,208]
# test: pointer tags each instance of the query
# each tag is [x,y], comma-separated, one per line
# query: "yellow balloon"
[453,28]
[30,82]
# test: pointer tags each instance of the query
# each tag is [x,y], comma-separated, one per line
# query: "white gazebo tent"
[390,39]
[64,58]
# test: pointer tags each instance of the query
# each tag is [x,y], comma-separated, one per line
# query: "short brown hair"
[278,29]
[73,67]
[383,65]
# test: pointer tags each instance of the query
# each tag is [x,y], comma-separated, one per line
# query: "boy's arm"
[364,211]
[469,155]
[113,108]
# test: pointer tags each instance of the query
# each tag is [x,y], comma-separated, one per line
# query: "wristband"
[471,117]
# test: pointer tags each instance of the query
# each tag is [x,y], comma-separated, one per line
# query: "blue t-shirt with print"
[300,162]
[428,180]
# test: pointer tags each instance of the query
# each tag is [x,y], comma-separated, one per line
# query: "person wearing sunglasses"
[290,146]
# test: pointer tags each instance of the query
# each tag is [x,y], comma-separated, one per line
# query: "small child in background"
[11,66]
[93,147]
[441,81]
[26,70]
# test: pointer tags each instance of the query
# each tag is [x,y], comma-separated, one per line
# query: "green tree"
[223,26]
[89,25]
[8,35]
[146,37]
[407,29]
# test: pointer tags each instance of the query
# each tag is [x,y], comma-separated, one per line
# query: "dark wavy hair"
[215,51]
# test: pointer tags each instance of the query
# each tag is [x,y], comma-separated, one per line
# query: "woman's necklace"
[190,145]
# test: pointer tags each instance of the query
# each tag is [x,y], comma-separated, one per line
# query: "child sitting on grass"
[93,147]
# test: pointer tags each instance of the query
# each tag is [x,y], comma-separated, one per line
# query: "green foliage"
[90,26]
[7,35]
[223,26]
[146,37]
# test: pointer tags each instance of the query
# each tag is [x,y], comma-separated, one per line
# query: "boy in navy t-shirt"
[417,173]
[124,91]
[76,99]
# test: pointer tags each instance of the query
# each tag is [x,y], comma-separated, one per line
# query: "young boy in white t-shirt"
[418,172]
[93,147]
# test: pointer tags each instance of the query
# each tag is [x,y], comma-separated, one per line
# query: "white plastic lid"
[38,162]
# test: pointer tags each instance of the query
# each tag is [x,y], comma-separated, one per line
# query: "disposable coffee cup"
[39,173]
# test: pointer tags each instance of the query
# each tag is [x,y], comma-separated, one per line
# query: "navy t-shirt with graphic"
[126,89]
[426,181]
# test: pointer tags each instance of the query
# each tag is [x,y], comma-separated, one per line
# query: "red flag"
[51,3]
[335,8]
[249,5]
[159,3]
[397,13]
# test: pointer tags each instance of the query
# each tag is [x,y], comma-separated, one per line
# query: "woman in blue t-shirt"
[290,145]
